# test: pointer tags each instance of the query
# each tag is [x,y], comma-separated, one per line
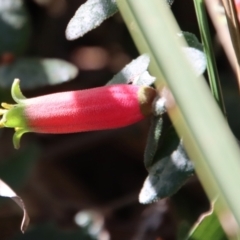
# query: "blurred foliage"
[15,34]
[15,27]
[49,231]
[15,169]
[37,72]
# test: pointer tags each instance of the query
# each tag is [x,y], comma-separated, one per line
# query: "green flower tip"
[12,114]
[17,137]
[16,91]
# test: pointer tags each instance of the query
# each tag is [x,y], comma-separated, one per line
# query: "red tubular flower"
[106,107]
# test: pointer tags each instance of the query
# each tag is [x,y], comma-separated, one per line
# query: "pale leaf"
[6,191]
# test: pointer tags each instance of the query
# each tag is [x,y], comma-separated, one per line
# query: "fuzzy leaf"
[170,2]
[135,72]
[191,40]
[194,52]
[145,79]
[6,191]
[168,143]
[159,106]
[89,16]
[197,59]
[14,27]
[36,72]
[166,176]
[152,140]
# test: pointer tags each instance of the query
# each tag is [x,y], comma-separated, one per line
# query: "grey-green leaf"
[197,59]
[14,27]
[135,72]
[36,72]
[89,16]
[166,176]
[145,79]
[194,52]
[168,143]
[152,140]
[191,40]
[170,2]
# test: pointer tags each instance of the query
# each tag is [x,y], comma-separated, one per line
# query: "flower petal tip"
[16,91]
[17,137]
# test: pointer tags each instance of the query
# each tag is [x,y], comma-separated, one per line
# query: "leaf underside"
[89,16]
[135,72]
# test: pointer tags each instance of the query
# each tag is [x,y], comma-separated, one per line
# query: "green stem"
[195,115]
[208,49]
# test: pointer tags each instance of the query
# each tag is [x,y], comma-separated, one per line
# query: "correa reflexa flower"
[106,107]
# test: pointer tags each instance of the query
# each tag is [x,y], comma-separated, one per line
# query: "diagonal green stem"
[196,116]
[211,63]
